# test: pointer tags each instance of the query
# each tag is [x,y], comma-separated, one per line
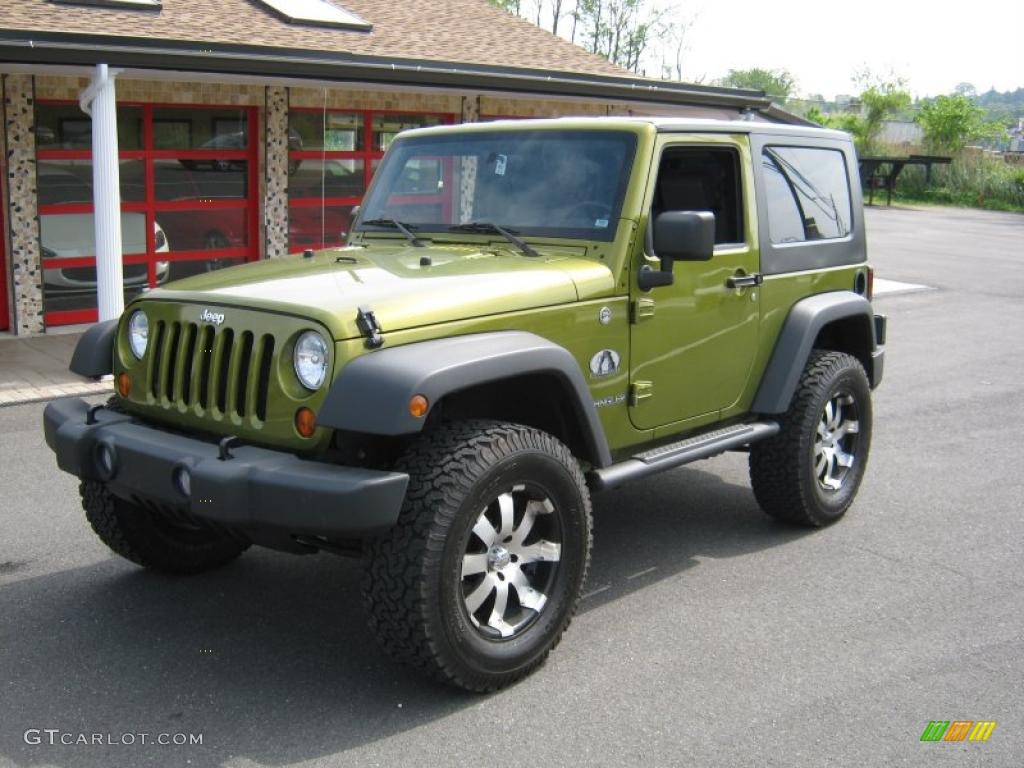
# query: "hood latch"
[366,322]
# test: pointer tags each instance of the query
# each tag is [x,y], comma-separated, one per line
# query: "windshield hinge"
[640,391]
[641,309]
[366,322]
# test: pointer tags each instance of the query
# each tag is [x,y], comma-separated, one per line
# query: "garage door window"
[188,198]
[332,156]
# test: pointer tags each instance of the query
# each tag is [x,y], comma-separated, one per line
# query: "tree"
[777,84]
[674,34]
[950,122]
[512,6]
[966,89]
[618,30]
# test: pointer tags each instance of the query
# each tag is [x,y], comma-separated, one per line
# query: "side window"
[807,193]
[702,179]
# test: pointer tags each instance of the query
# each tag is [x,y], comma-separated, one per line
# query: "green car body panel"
[578,294]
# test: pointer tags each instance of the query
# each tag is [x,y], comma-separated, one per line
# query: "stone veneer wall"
[158,91]
[7,321]
[22,219]
[276,195]
[513,107]
[397,101]
[471,108]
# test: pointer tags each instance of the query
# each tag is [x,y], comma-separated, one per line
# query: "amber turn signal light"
[124,384]
[418,406]
[305,422]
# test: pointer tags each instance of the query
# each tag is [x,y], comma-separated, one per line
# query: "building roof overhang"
[24,47]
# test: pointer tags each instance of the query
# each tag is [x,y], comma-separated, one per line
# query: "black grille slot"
[242,380]
[171,355]
[156,358]
[188,363]
[266,358]
[205,360]
[222,367]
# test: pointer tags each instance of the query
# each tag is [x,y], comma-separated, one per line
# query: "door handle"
[745,281]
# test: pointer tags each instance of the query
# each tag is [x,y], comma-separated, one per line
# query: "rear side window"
[807,192]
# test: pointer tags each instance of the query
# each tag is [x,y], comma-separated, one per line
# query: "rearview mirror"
[684,236]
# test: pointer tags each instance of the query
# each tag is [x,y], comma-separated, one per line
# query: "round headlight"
[138,333]
[311,359]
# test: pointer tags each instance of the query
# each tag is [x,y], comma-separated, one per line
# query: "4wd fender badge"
[604,363]
[212,317]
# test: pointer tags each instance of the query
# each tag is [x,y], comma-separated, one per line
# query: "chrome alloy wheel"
[510,562]
[835,444]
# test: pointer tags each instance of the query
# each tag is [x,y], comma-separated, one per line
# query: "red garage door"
[189,192]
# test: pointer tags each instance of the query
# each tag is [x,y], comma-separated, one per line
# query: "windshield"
[552,183]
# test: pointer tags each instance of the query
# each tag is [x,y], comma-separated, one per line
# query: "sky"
[934,46]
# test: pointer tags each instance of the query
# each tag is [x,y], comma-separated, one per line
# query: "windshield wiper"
[405,229]
[510,235]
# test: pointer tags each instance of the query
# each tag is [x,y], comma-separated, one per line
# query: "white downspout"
[98,101]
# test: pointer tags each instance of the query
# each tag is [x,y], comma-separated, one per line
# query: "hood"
[460,282]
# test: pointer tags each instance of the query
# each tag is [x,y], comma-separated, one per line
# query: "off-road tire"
[782,468]
[415,582]
[152,541]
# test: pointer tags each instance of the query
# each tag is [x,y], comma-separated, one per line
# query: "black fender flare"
[372,393]
[94,353]
[796,340]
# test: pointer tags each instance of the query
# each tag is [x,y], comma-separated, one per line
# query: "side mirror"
[678,236]
[684,236]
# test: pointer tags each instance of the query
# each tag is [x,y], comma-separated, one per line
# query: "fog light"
[305,422]
[106,460]
[124,385]
[418,406]
[182,481]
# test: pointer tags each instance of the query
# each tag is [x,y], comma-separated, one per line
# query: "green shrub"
[973,179]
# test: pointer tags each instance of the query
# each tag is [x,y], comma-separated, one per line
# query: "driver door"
[693,342]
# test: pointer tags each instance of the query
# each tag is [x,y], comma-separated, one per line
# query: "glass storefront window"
[66,126]
[62,181]
[183,214]
[386,127]
[214,179]
[332,177]
[73,289]
[205,229]
[318,226]
[72,235]
[200,128]
[332,132]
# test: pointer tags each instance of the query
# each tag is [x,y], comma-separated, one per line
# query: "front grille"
[219,371]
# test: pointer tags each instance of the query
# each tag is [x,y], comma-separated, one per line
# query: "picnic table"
[882,172]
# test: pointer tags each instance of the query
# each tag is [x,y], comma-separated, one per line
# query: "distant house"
[249,129]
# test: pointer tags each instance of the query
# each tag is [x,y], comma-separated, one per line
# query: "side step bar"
[682,452]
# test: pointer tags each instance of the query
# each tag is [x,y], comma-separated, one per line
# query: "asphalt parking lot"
[710,634]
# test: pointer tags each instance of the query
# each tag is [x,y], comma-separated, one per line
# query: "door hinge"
[639,391]
[641,309]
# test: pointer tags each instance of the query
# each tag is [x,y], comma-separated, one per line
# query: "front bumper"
[255,490]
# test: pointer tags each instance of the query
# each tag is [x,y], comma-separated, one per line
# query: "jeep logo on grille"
[212,317]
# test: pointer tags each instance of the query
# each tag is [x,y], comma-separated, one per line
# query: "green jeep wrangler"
[526,313]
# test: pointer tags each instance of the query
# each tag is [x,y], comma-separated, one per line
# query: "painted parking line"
[884,287]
